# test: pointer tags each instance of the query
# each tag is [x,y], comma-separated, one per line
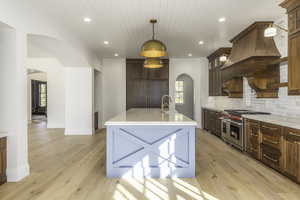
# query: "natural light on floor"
[161,189]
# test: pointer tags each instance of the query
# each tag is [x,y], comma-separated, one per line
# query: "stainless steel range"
[233,128]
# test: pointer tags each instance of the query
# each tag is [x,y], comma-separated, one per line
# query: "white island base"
[148,143]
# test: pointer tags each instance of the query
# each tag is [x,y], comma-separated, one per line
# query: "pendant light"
[153,63]
[223,58]
[153,48]
[271,31]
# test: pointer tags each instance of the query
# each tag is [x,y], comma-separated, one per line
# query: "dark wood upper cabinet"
[293,10]
[215,76]
[145,87]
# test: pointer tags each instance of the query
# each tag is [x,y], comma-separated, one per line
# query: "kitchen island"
[150,143]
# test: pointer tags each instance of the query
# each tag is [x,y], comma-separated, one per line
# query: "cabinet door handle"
[272,142]
[267,127]
[269,158]
[294,134]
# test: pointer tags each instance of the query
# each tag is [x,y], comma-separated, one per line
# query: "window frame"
[42,95]
[179,93]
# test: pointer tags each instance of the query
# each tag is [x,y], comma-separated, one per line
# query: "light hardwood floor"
[73,168]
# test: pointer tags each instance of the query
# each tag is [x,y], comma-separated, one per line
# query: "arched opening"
[184,95]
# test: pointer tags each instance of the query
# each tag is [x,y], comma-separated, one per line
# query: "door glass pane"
[179,93]
[43,94]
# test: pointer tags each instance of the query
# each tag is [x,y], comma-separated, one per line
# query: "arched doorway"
[184,95]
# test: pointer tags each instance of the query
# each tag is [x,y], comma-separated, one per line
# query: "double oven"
[233,127]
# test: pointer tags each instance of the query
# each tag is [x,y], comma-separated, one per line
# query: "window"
[43,94]
[179,99]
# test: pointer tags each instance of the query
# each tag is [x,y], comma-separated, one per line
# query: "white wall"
[197,69]
[79,101]
[20,16]
[55,89]
[39,76]
[13,101]
[114,87]
[13,75]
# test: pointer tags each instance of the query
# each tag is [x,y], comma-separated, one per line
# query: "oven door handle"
[236,123]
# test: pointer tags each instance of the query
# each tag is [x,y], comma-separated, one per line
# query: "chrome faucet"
[164,104]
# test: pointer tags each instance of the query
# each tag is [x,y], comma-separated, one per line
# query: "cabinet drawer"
[253,123]
[254,148]
[292,134]
[270,156]
[271,135]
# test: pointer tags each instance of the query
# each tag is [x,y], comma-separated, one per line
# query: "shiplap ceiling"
[181,23]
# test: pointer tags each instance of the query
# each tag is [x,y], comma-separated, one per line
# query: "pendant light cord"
[153,31]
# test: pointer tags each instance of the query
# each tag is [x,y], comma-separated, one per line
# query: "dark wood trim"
[278,85]
[250,28]
[219,52]
[279,61]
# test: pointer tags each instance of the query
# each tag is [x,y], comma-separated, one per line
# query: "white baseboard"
[78,132]
[18,173]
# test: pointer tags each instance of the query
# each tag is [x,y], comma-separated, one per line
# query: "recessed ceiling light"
[201,42]
[222,19]
[106,42]
[190,55]
[87,19]
[116,54]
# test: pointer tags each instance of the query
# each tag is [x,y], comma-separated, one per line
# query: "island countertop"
[144,116]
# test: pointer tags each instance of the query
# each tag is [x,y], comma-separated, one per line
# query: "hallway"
[67,167]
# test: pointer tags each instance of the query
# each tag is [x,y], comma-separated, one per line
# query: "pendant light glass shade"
[153,63]
[270,32]
[153,48]
[223,58]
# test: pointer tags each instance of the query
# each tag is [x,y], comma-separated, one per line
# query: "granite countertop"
[3,134]
[276,119]
[141,116]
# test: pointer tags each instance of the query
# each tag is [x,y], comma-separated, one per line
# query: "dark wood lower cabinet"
[253,139]
[291,153]
[96,120]
[270,156]
[218,130]
[211,121]
[2,160]
[275,146]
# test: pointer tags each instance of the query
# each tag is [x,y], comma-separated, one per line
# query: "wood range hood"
[255,57]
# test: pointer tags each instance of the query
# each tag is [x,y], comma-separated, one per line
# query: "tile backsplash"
[284,105]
